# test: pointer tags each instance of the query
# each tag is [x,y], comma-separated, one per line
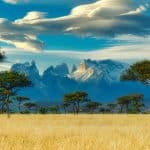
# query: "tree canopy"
[11,80]
[132,102]
[75,99]
[139,71]
[10,83]
[92,106]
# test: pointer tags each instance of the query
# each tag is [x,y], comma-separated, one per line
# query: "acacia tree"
[123,101]
[133,103]
[10,83]
[43,110]
[20,100]
[139,71]
[75,99]
[137,102]
[92,106]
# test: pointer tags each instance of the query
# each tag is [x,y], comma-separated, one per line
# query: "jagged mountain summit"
[101,79]
[107,70]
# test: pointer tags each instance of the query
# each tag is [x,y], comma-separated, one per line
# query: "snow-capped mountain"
[100,79]
[107,70]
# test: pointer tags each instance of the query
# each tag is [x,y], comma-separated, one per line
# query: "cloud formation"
[103,18]
[69,2]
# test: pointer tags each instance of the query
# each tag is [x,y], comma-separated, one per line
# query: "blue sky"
[31,28]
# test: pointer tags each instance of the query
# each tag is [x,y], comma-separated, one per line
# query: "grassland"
[68,132]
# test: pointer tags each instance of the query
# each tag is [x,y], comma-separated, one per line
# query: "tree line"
[75,102]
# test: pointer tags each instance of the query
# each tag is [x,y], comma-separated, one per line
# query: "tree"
[92,106]
[133,103]
[5,101]
[123,101]
[10,83]
[111,106]
[30,105]
[104,109]
[43,110]
[54,109]
[75,99]
[65,106]
[21,99]
[137,102]
[138,72]
[69,100]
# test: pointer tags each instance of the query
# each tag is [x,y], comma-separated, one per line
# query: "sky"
[52,32]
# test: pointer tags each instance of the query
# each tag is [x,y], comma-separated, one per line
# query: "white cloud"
[37,2]
[34,15]
[103,18]
[132,52]
[26,42]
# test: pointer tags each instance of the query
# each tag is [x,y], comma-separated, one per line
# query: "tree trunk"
[74,110]
[127,105]
[121,108]
[78,107]
[7,106]
[2,108]
[19,107]
[65,109]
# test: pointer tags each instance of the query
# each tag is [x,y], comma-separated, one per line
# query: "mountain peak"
[82,66]
[107,70]
[83,72]
[30,69]
[59,70]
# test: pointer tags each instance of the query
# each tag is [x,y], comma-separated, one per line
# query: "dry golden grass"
[68,132]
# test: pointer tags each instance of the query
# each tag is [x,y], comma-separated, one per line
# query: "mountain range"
[100,79]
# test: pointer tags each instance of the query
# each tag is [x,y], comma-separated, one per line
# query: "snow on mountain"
[83,72]
[107,70]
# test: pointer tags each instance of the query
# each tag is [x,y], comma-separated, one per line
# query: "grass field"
[68,132]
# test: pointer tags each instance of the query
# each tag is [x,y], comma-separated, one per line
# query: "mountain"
[48,87]
[29,69]
[61,70]
[101,79]
[106,70]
